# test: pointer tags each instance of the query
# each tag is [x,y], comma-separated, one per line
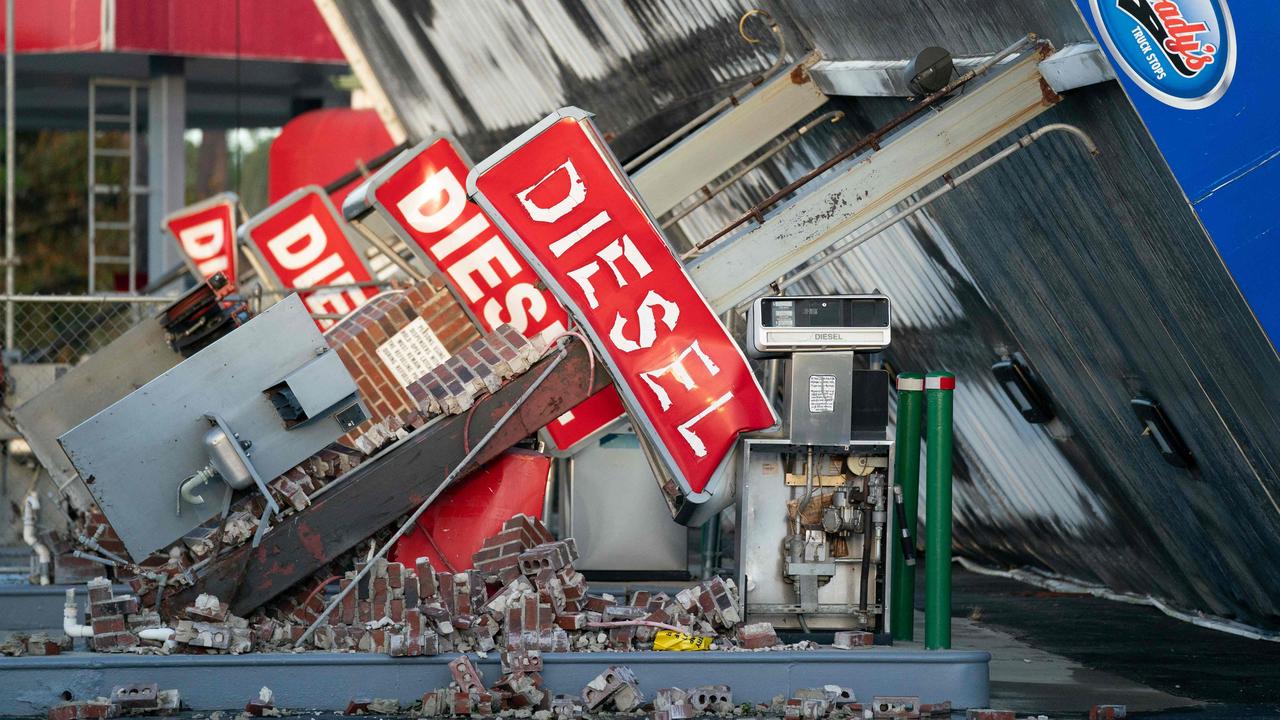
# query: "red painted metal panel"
[566,204]
[422,193]
[458,522]
[206,235]
[303,242]
[318,146]
[257,29]
[56,26]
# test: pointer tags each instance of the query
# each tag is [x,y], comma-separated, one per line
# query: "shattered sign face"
[303,242]
[205,233]
[421,193]
[568,207]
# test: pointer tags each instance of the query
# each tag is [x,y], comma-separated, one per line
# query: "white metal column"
[166,165]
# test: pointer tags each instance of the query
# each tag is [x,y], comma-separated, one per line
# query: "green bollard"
[938,387]
[906,475]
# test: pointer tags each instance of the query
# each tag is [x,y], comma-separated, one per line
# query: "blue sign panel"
[1202,75]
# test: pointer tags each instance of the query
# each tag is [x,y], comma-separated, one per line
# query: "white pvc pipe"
[74,629]
[161,634]
[30,510]
[69,624]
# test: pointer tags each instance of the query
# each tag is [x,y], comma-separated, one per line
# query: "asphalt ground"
[1231,677]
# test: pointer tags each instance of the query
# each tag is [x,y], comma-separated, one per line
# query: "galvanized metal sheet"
[742,265]
[136,453]
[767,112]
[134,359]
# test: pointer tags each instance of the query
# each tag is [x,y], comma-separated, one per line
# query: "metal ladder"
[113,227]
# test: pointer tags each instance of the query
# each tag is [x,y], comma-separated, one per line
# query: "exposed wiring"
[466,424]
[317,590]
[591,351]
[551,344]
[637,623]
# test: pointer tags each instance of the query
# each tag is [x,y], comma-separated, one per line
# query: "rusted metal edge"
[872,140]
[382,489]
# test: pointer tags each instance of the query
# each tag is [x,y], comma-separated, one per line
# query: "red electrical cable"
[320,587]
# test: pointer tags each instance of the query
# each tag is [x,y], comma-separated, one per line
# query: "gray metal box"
[762,526]
[125,365]
[820,390]
[136,453]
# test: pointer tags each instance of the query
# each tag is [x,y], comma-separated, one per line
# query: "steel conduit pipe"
[938,389]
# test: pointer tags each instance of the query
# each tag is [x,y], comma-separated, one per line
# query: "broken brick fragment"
[466,675]
[615,685]
[850,639]
[711,699]
[83,710]
[756,636]
[989,714]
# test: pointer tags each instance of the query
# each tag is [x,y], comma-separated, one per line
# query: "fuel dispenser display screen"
[820,323]
[825,312]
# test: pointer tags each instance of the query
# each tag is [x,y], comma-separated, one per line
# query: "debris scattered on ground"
[616,690]
[850,639]
[137,699]
[756,636]
[36,643]
[989,714]
[264,705]
[523,599]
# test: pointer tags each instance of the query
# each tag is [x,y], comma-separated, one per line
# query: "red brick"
[112,624]
[848,639]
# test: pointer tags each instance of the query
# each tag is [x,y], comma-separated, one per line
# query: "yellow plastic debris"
[678,641]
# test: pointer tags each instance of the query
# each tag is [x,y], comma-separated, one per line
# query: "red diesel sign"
[422,194]
[303,243]
[206,235]
[569,208]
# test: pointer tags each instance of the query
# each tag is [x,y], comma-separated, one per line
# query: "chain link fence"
[65,329]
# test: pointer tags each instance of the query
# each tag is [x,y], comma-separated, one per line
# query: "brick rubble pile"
[480,367]
[522,599]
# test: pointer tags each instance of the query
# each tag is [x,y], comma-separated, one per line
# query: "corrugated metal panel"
[1095,270]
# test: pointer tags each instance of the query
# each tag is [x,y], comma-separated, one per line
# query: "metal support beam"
[9,232]
[387,486]
[1076,65]
[166,158]
[867,185]
[730,137]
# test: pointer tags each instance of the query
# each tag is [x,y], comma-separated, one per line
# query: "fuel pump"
[816,505]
